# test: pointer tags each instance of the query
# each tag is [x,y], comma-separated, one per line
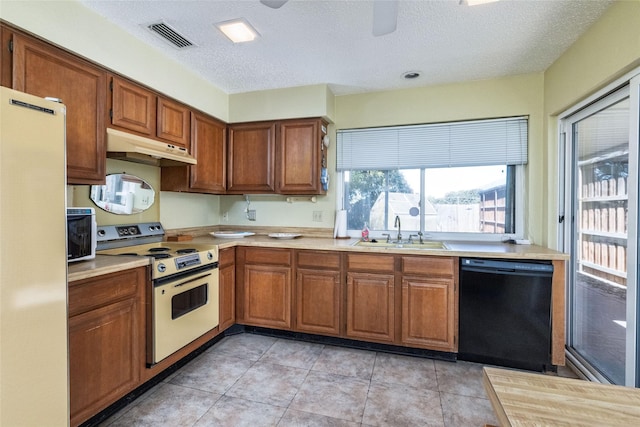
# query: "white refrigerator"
[33,268]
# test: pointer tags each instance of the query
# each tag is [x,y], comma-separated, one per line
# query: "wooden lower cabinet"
[264,286]
[318,302]
[319,293]
[371,297]
[227,284]
[427,308]
[370,306]
[106,340]
[429,302]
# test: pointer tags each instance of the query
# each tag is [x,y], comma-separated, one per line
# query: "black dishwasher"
[505,313]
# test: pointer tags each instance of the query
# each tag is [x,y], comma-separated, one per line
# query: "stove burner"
[185,251]
[129,253]
[160,249]
[160,256]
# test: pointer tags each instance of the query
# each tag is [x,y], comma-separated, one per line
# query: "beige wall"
[608,50]
[288,103]
[71,25]
[511,96]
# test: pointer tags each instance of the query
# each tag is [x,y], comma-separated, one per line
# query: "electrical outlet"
[225,217]
[317,216]
[251,214]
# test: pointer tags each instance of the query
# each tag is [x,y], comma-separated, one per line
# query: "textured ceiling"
[308,42]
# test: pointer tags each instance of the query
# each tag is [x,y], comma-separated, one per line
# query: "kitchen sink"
[427,245]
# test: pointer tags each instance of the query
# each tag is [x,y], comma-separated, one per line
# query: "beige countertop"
[459,249]
[104,264]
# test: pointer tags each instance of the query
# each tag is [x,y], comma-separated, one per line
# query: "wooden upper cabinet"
[251,159]
[209,147]
[133,107]
[298,156]
[173,122]
[46,71]
[6,59]
[140,110]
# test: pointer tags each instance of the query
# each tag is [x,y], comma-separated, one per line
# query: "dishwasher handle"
[505,266]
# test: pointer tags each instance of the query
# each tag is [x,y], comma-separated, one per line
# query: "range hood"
[134,148]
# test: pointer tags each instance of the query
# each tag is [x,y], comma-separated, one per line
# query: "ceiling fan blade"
[385,17]
[273,4]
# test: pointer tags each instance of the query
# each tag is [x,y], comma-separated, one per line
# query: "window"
[461,180]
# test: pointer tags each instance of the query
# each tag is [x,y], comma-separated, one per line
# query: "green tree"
[462,197]
[364,189]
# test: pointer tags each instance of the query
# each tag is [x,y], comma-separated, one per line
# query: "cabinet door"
[370,306]
[318,295]
[103,353]
[42,70]
[251,158]
[173,122]
[227,288]
[133,107]
[298,157]
[267,296]
[209,146]
[106,340]
[428,313]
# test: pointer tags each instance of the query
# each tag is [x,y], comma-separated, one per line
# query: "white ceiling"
[308,42]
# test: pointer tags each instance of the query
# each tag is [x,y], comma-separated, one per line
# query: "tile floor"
[254,380]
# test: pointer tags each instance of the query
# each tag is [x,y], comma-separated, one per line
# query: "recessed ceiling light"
[476,2]
[411,75]
[238,30]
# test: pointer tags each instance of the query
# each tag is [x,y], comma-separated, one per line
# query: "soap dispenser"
[365,233]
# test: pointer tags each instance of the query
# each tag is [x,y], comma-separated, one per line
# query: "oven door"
[184,309]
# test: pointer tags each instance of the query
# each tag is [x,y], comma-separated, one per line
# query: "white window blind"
[470,143]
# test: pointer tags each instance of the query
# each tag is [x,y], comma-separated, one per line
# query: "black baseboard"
[344,342]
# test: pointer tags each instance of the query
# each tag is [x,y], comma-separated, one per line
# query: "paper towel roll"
[128,204]
[340,229]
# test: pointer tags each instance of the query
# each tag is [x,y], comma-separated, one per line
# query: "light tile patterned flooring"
[254,380]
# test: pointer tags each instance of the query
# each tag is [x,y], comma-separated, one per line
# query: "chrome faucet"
[397,224]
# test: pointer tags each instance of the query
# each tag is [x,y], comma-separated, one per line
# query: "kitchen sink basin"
[427,245]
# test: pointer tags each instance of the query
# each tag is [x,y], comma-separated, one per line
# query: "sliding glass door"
[602,238]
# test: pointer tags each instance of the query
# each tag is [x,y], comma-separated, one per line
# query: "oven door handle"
[186,282]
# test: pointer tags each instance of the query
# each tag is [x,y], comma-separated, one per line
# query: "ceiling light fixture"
[238,30]
[476,2]
[409,75]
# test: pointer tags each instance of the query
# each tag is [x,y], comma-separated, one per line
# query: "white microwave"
[81,234]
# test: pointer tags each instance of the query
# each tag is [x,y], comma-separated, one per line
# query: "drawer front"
[319,259]
[85,295]
[374,263]
[429,265]
[227,257]
[267,256]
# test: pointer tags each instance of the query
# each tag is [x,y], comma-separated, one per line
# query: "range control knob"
[209,256]
[101,233]
[162,268]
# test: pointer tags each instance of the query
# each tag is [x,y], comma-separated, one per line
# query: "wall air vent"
[164,30]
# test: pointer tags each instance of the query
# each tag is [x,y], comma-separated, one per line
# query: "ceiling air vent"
[170,35]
